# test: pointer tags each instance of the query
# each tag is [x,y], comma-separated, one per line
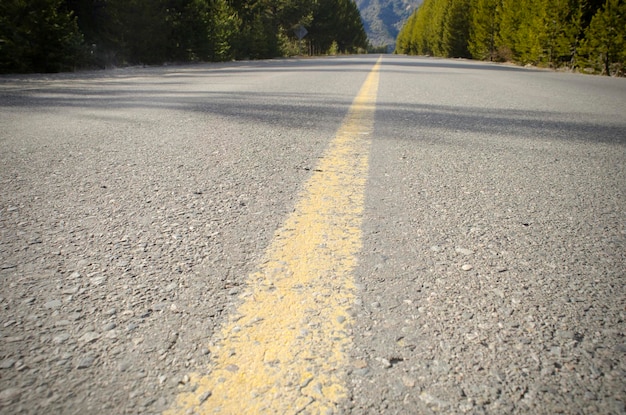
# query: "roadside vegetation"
[62,35]
[585,35]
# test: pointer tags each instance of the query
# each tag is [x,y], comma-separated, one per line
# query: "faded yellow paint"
[285,349]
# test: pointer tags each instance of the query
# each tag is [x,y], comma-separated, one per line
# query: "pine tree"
[484,28]
[403,41]
[38,36]
[527,45]
[604,46]
[563,22]
[456,29]
[337,21]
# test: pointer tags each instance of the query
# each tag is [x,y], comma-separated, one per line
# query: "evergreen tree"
[203,30]
[484,28]
[531,30]
[337,21]
[540,32]
[456,29]
[38,36]
[403,41]
[47,35]
[563,22]
[604,46]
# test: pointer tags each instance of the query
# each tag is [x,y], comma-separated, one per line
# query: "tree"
[563,22]
[531,30]
[200,30]
[38,36]
[484,28]
[405,40]
[604,46]
[456,29]
[337,21]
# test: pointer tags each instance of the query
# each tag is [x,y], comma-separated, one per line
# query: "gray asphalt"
[135,202]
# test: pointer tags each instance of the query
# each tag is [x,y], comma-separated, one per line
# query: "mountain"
[383,19]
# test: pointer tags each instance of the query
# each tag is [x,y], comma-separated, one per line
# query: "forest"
[584,35]
[65,35]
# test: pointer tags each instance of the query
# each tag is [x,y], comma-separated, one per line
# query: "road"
[323,235]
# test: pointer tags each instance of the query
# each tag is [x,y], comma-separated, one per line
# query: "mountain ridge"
[383,19]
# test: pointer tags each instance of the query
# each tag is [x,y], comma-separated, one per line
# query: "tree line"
[588,35]
[61,35]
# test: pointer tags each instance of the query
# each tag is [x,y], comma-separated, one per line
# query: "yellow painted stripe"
[285,349]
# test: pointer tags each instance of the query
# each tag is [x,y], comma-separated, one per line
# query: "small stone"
[70,291]
[408,381]
[159,306]
[124,366]
[85,362]
[9,395]
[54,304]
[565,334]
[464,251]
[109,326]
[341,319]
[110,312]
[232,368]
[75,316]
[432,400]
[61,338]
[467,267]
[466,406]
[306,382]
[206,395]
[89,337]
[7,363]
[95,281]
[148,402]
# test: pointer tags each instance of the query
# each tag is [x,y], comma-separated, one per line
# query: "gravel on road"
[134,203]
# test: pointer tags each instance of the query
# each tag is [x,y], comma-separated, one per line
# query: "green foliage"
[55,35]
[563,25]
[337,21]
[38,36]
[521,30]
[484,26]
[456,29]
[539,32]
[604,48]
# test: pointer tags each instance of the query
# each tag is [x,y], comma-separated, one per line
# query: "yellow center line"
[285,349]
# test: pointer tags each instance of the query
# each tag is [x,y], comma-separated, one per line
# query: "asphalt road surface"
[347,235]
